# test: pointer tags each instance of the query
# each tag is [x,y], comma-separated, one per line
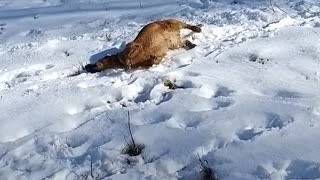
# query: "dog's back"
[158,37]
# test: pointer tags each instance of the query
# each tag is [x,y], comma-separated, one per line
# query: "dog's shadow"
[114,50]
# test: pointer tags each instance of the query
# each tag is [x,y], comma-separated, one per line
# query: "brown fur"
[149,47]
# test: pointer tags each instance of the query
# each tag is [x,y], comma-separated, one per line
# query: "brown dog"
[148,48]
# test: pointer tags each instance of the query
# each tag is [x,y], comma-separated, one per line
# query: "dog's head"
[107,62]
[93,68]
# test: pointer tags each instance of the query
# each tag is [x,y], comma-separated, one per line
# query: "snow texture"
[246,99]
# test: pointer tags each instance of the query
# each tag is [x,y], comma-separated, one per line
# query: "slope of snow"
[247,97]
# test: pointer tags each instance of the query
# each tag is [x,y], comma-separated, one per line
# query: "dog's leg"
[128,67]
[177,25]
[196,29]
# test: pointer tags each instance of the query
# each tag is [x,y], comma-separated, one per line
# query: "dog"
[148,48]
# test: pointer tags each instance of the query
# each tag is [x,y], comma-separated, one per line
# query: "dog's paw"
[188,45]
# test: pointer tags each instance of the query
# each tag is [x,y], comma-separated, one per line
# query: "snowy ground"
[247,99]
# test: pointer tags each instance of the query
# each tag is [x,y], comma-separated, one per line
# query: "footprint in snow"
[277,121]
[249,134]
[273,170]
[15,77]
[301,169]
[186,121]
[76,140]
[223,103]
[256,58]
[288,94]
[221,98]
[223,92]
[34,33]
[294,169]
[273,122]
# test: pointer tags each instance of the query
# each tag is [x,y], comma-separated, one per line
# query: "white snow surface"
[247,102]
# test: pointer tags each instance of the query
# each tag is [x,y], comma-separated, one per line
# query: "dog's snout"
[92,68]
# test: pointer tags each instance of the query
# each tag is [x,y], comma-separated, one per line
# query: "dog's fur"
[148,48]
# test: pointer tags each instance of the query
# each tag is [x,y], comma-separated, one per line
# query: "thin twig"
[133,143]
[78,70]
[126,141]
[81,65]
[271,23]
[201,162]
[282,10]
[110,118]
[140,4]
[271,4]
[91,168]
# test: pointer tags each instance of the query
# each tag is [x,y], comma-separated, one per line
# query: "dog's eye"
[99,64]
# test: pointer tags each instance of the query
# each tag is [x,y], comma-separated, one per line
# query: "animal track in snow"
[192,81]
[248,134]
[278,121]
[34,33]
[185,122]
[223,91]
[223,103]
[274,170]
[15,77]
[49,66]
[272,121]
[256,58]
[301,169]
[76,140]
[295,169]
[288,94]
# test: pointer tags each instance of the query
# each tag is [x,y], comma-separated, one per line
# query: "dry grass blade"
[132,149]
[206,172]
[79,69]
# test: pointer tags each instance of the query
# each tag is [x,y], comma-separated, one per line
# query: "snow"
[246,99]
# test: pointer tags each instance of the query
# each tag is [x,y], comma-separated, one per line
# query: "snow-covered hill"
[246,99]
